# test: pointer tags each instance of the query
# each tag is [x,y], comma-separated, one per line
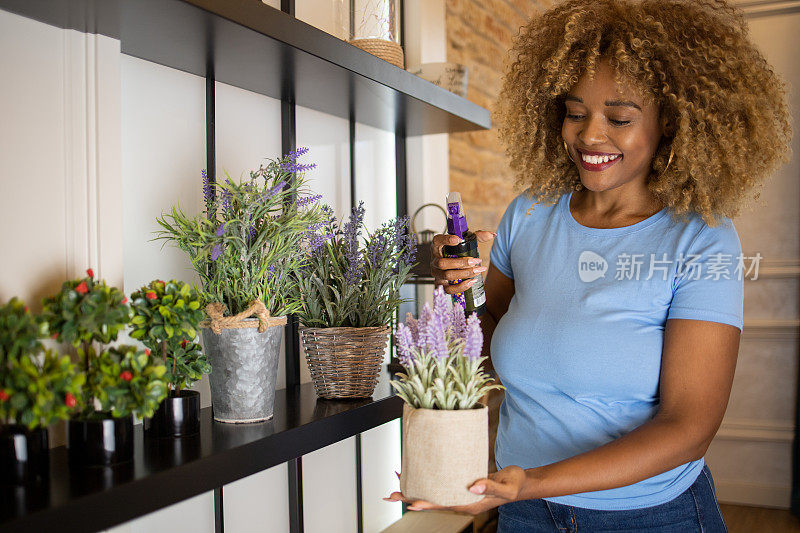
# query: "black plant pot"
[177,416]
[101,442]
[24,455]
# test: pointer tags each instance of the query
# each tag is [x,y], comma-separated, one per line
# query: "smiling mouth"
[597,163]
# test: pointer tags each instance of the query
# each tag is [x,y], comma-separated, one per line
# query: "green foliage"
[40,390]
[86,310]
[124,380]
[20,331]
[119,381]
[186,364]
[346,284]
[246,242]
[165,318]
[37,387]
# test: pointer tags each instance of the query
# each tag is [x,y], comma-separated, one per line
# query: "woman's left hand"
[501,487]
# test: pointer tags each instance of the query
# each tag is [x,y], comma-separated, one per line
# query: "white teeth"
[597,159]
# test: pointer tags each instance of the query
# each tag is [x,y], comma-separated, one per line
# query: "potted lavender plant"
[349,294]
[243,248]
[165,318]
[37,387]
[445,427]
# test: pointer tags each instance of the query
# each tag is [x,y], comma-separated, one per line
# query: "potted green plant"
[37,388]
[349,295]
[121,381]
[244,247]
[445,427]
[165,319]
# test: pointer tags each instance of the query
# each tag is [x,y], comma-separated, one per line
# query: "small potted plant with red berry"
[121,381]
[37,388]
[165,318]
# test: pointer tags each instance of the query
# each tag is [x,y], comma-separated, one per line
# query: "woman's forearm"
[655,447]
[488,325]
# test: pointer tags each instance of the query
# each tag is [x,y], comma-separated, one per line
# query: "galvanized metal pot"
[244,369]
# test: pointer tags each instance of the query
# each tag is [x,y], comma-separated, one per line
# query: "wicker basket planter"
[345,362]
[387,50]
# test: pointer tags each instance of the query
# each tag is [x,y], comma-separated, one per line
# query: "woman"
[637,129]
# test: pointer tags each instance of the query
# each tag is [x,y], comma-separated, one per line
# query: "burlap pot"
[444,453]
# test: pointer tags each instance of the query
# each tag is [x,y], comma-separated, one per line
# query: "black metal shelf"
[256,47]
[167,471]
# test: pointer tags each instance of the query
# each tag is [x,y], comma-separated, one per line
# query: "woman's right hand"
[446,270]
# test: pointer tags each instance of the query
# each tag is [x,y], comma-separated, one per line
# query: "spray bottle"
[474,298]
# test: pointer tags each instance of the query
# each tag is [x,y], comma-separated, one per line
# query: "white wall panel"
[164,150]
[195,515]
[258,503]
[380,459]
[375,174]
[329,489]
[331,16]
[327,138]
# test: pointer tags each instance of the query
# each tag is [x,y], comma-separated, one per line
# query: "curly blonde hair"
[723,105]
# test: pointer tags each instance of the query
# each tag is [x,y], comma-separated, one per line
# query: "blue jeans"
[696,509]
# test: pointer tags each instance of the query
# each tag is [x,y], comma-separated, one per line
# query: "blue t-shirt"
[579,350]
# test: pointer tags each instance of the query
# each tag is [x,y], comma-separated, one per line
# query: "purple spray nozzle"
[456,220]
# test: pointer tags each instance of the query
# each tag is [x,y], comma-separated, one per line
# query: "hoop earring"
[671,155]
[567,150]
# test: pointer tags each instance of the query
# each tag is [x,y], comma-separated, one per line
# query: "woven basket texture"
[387,50]
[344,362]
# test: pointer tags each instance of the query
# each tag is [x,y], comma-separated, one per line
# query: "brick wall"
[479,35]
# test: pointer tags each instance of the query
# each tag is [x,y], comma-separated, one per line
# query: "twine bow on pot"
[218,322]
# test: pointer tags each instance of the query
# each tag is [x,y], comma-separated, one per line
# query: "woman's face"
[616,131]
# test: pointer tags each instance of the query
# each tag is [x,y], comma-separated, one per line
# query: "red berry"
[183,343]
[3,395]
[82,288]
[125,300]
[90,272]
[54,336]
[70,400]
[151,295]
[26,309]
[147,351]
[126,375]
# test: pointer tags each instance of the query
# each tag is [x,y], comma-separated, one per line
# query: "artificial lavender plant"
[441,354]
[346,284]
[246,242]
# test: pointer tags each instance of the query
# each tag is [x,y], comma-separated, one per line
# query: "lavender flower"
[405,345]
[352,230]
[442,309]
[216,252]
[274,190]
[302,202]
[271,273]
[377,246]
[474,339]
[293,166]
[437,338]
[221,229]
[413,327]
[458,323]
[317,241]
[294,154]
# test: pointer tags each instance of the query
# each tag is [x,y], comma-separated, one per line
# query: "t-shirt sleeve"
[709,282]
[500,255]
